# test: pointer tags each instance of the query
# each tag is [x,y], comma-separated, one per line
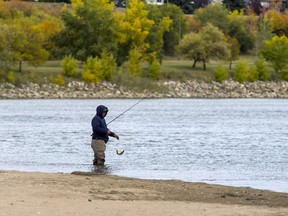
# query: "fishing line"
[125,111]
[121,151]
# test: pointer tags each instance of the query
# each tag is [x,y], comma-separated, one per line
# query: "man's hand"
[110,133]
[116,136]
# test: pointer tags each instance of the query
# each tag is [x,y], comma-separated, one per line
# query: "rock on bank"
[171,89]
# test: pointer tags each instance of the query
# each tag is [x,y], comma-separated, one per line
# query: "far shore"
[166,89]
[88,193]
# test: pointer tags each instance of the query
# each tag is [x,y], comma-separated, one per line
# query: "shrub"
[92,70]
[58,80]
[108,65]
[11,77]
[285,74]
[97,69]
[262,69]
[69,66]
[154,70]
[221,73]
[133,65]
[253,74]
[241,71]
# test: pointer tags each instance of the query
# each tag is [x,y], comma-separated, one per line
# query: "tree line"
[108,41]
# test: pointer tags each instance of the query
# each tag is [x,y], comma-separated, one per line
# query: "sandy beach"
[79,193]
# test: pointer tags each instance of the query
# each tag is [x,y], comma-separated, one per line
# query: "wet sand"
[85,193]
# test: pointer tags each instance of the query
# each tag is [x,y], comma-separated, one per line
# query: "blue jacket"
[99,126]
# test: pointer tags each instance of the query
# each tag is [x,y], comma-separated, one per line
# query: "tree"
[172,37]
[133,30]
[155,38]
[232,5]
[187,6]
[6,57]
[89,29]
[209,43]
[216,14]
[24,42]
[234,48]
[265,31]
[275,51]
[25,32]
[279,21]
[31,48]
[255,6]
[238,28]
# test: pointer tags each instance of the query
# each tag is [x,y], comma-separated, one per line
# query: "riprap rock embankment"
[171,89]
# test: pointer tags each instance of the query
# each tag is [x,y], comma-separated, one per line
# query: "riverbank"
[171,89]
[32,193]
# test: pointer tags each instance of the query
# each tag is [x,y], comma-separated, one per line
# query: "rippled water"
[238,142]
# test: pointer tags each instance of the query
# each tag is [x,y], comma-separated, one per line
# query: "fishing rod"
[125,111]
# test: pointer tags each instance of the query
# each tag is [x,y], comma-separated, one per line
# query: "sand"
[34,193]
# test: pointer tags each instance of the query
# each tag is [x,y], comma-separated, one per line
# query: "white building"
[155,2]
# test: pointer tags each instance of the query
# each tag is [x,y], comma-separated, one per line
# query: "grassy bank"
[172,69]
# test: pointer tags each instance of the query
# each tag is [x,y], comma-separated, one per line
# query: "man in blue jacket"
[100,135]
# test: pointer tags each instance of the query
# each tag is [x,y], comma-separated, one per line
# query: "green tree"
[265,32]
[234,48]
[155,38]
[177,29]
[209,43]
[234,4]
[89,29]
[238,28]
[6,59]
[216,14]
[24,42]
[275,51]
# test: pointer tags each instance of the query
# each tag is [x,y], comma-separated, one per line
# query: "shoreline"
[170,89]
[87,193]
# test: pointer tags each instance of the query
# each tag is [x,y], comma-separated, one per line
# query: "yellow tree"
[25,42]
[279,21]
[48,28]
[133,29]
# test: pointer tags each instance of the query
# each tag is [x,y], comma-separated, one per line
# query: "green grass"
[50,67]
[172,69]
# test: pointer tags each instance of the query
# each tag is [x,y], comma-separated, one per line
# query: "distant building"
[155,2]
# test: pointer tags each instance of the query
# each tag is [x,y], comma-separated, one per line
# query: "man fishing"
[100,135]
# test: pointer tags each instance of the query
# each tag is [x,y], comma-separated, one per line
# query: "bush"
[58,80]
[69,66]
[108,65]
[262,69]
[241,71]
[133,64]
[92,70]
[154,70]
[11,77]
[284,74]
[221,73]
[253,74]
[97,69]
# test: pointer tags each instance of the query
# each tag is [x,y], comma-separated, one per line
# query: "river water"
[237,142]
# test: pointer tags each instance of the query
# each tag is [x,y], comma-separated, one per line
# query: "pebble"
[174,89]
